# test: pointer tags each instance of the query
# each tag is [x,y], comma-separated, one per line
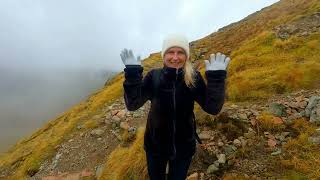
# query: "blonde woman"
[170,136]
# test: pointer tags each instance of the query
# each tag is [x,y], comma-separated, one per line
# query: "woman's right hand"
[217,61]
[128,58]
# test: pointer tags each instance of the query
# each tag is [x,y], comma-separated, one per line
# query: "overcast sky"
[82,33]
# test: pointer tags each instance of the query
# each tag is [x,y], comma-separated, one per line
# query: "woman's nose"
[175,56]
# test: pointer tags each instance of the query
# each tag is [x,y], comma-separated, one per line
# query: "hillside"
[275,53]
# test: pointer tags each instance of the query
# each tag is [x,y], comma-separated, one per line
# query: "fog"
[55,53]
[29,99]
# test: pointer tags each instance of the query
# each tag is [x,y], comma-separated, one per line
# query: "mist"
[29,99]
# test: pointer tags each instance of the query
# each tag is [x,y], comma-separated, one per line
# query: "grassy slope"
[245,39]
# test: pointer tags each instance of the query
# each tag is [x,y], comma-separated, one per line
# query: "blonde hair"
[189,74]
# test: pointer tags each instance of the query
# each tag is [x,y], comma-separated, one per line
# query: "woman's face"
[175,57]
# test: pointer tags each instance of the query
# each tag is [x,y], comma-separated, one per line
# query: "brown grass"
[127,163]
[302,157]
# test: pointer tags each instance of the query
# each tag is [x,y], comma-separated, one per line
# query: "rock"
[285,134]
[216,163]
[129,114]
[220,144]
[96,117]
[313,109]
[84,174]
[121,114]
[99,170]
[132,130]
[80,127]
[116,134]
[115,119]
[201,176]
[255,113]
[114,112]
[299,98]
[293,104]
[237,142]
[107,121]
[221,158]
[87,173]
[55,160]
[277,109]
[124,125]
[97,132]
[249,134]
[58,156]
[302,113]
[110,107]
[277,152]
[193,176]
[302,104]
[270,136]
[243,142]
[242,116]
[212,168]
[231,162]
[234,106]
[280,137]
[253,121]
[204,135]
[248,114]
[272,143]
[277,120]
[136,115]
[229,149]
[314,140]
[294,116]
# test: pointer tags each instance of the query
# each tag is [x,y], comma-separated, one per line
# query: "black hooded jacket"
[169,130]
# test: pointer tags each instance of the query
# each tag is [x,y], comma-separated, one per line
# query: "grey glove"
[217,62]
[128,58]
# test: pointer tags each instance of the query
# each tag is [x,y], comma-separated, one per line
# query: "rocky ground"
[234,143]
[239,146]
[303,26]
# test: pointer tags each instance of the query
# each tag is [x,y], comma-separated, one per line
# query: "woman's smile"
[175,57]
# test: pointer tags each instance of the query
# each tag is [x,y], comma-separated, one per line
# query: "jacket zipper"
[174,113]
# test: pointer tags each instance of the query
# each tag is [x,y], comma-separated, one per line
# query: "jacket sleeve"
[211,96]
[136,90]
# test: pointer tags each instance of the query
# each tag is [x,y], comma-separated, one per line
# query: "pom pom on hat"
[175,40]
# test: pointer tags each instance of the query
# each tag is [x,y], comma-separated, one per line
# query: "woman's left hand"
[217,61]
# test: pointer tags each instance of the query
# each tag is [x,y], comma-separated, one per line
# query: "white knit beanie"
[175,40]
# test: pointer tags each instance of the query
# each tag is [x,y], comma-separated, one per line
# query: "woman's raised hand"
[217,61]
[128,58]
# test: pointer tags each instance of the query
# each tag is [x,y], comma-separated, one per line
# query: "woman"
[170,134]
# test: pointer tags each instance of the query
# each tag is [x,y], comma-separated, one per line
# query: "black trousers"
[178,168]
